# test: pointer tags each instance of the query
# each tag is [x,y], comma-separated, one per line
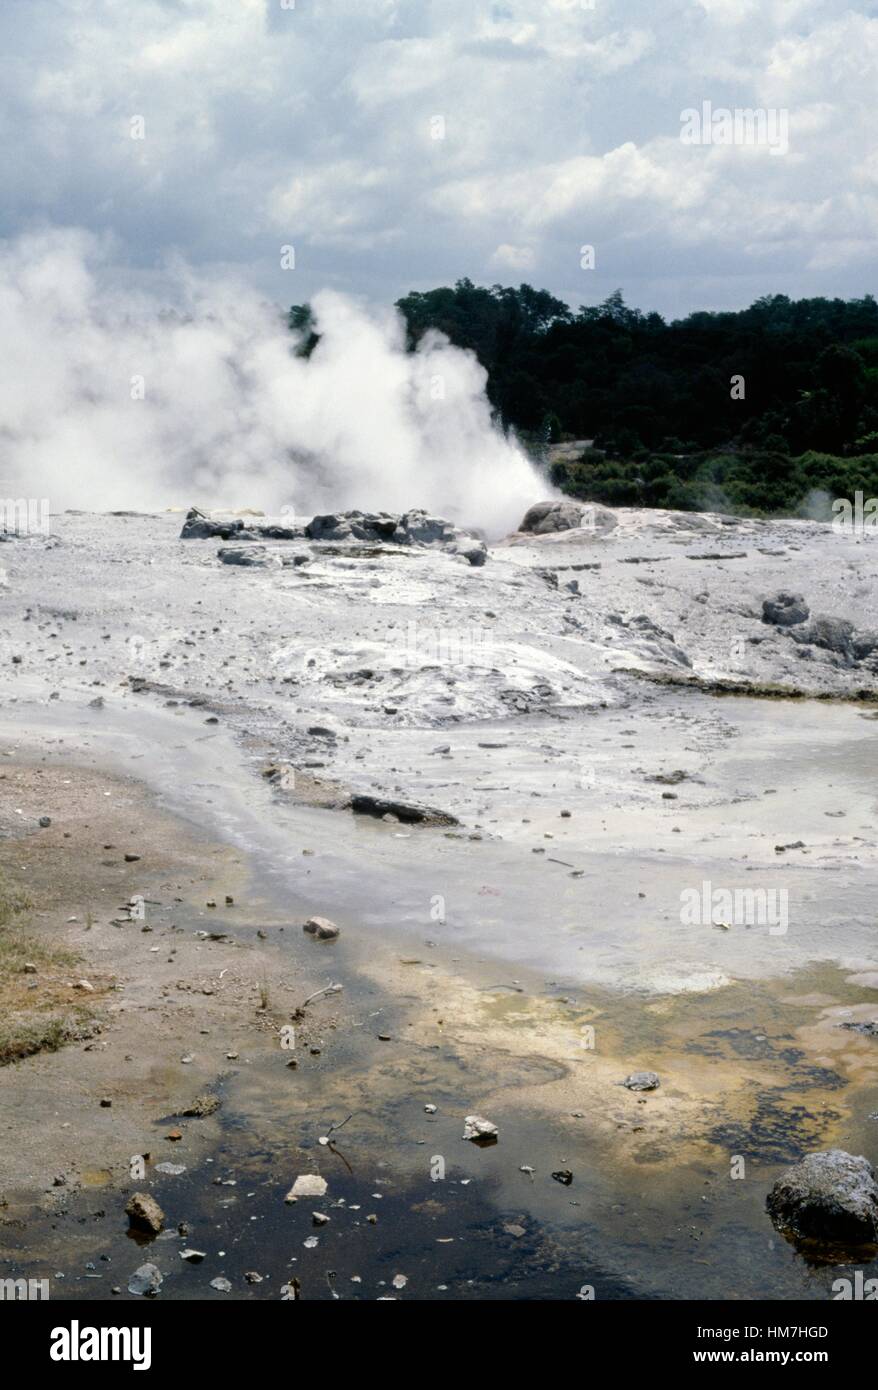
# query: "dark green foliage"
[655,397]
[744,481]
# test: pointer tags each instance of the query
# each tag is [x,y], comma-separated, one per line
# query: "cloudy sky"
[313,124]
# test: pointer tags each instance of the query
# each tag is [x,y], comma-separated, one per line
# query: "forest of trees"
[668,424]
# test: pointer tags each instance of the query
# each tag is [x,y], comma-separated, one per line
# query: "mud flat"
[519,964]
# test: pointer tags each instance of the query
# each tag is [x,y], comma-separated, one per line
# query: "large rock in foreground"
[566,515]
[144,1213]
[830,1196]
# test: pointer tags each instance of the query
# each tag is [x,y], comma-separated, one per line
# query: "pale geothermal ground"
[602,749]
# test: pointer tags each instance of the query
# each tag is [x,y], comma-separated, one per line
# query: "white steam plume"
[228,415]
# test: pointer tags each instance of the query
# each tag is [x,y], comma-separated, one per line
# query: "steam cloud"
[111,399]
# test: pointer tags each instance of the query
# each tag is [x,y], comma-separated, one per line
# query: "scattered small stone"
[45,822]
[193,1257]
[563,1176]
[221,1285]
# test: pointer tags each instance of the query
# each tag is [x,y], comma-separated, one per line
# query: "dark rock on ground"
[198,527]
[829,1196]
[832,634]
[642,1081]
[354,525]
[412,528]
[144,1213]
[785,610]
[321,929]
[364,805]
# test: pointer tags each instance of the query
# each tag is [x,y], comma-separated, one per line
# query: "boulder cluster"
[412,528]
[846,645]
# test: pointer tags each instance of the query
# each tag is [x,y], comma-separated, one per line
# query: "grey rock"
[832,634]
[251,556]
[146,1281]
[642,1081]
[566,515]
[785,610]
[479,1130]
[419,528]
[412,528]
[198,527]
[828,1196]
[353,525]
[472,550]
[321,929]
[864,644]
[409,813]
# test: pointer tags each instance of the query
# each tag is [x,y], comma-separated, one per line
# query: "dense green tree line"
[659,400]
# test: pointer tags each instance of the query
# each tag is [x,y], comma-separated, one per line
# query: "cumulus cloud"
[316,125]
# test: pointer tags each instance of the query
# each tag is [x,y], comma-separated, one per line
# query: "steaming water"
[116,398]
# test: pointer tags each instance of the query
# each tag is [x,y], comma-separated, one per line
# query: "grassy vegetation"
[748,482]
[39,1008]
